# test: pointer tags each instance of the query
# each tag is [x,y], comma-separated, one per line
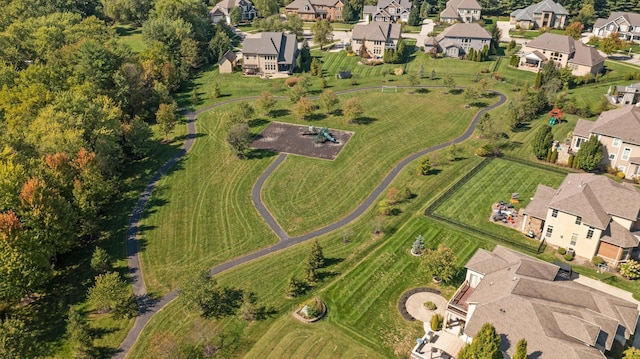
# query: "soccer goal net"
[389,88]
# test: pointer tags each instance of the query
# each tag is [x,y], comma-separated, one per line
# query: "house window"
[554,213]
[549,231]
[590,233]
[612,156]
[377,51]
[574,239]
[622,169]
[579,142]
[578,220]
[616,142]
[625,254]
[377,43]
[306,7]
[626,153]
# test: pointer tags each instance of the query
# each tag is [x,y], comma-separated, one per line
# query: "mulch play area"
[305,140]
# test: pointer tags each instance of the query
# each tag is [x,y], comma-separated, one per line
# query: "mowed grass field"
[307,193]
[472,203]
[201,213]
[361,285]
[131,36]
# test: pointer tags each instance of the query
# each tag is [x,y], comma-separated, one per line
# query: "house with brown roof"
[626,24]
[457,39]
[619,132]
[564,51]
[375,38]
[387,11]
[461,11]
[588,214]
[269,53]
[311,10]
[546,13]
[222,11]
[524,297]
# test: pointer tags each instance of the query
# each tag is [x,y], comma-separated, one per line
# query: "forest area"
[77,113]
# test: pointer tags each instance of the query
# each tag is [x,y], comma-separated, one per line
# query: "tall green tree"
[266,102]
[16,340]
[590,154]
[328,101]
[322,32]
[111,293]
[211,300]
[79,335]
[316,258]
[239,138]
[167,118]
[496,33]
[542,142]
[521,350]
[267,7]
[294,24]
[440,263]
[352,108]
[611,43]
[485,345]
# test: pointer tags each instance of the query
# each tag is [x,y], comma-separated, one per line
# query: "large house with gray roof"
[269,53]
[619,132]
[545,14]
[589,214]
[461,11]
[375,37]
[625,24]
[311,10]
[387,11]
[564,51]
[457,39]
[524,297]
[222,11]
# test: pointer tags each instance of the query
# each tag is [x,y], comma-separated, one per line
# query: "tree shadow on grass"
[456,91]
[422,90]
[258,154]
[280,112]
[331,261]
[432,172]
[364,120]
[257,122]
[479,104]
[524,127]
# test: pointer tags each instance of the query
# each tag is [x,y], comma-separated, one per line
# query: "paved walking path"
[149,307]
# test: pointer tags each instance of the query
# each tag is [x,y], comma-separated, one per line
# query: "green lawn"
[131,36]
[400,124]
[472,203]
[365,275]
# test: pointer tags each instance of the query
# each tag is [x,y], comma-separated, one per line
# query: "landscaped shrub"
[291,81]
[436,322]
[620,175]
[570,160]
[630,269]
[398,71]
[430,305]
[612,170]
[484,151]
[568,257]
[561,251]
[597,261]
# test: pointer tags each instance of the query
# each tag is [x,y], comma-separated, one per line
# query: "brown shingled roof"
[623,123]
[539,205]
[583,128]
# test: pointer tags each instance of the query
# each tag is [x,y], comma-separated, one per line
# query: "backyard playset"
[556,116]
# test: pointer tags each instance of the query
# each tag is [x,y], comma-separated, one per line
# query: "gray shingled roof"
[583,128]
[406,4]
[539,205]
[464,30]
[596,198]
[553,42]
[556,318]
[619,236]
[228,56]
[451,9]
[632,18]
[586,55]
[299,4]
[623,123]
[226,5]
[377,31]
[543,6]
[272,43]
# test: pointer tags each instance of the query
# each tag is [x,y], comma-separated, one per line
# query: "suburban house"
[564,51]
[387,11]
[626,24]
[222,11]
[619,132]
[546,13]
[310,10]
[269,53]
[228,62]
[524,297]
[461,11]
[457,39]
[588,214]
[375,37]
[624,95]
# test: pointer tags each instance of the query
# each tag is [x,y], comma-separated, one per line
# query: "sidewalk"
[607,288]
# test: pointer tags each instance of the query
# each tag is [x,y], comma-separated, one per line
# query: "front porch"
[532,61]
[440,344]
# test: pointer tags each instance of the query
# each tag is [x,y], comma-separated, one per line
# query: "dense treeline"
[75,109]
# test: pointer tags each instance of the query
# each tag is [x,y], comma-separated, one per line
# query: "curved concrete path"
[148,307]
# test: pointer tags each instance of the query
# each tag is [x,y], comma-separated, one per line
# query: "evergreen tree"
[485,345]
[316,257]
[414,16]
[538,81]
[310,273]
[542,142]
[472,54]
[521,349]
[100,260]
[295,287]
[348,13]
[590,154]
[79,336]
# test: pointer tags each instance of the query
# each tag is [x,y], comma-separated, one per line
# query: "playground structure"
[321,135]
[556,116]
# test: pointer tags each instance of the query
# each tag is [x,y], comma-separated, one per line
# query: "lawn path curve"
[148,306]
